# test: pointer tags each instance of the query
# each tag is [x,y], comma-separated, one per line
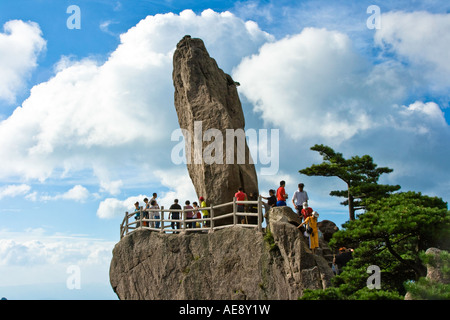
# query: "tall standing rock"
[208,108]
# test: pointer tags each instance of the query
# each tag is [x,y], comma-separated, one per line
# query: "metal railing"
[204,224]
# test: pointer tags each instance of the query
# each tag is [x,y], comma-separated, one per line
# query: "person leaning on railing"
[189,214]
[204,212]
[155,214]
[137,213]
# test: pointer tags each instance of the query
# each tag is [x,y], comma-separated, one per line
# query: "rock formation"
[208,108]
[437,273]
[328,228]
[232,263]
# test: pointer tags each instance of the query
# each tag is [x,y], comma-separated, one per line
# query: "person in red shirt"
[240,196]
[306,211]
[281,194]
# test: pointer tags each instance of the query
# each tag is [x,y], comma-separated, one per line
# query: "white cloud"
[114,118]
[317,88]
[113,208]
[115,115]
[14,190]
[77,193]
[37,257]
[104,26]
[314,85]
[20,45]
[421,118]
[113,187]
[179,186]
[422,39]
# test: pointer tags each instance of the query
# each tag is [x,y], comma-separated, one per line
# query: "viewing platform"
[205,224]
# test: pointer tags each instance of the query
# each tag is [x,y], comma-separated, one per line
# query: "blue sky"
[86,115]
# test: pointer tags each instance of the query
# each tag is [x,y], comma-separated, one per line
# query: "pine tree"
[360,174]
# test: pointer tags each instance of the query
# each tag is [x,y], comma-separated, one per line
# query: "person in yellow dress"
[205,212]
[314,236]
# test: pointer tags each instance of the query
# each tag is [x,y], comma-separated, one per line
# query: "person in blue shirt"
[137,211]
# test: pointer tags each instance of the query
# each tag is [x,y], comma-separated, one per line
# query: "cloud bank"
[20,45]
[118,113]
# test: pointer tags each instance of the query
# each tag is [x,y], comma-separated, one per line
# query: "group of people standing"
[149,204]
[195,213]
[300,199]
[276,199]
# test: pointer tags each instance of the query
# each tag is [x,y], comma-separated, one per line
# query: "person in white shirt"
[300,196]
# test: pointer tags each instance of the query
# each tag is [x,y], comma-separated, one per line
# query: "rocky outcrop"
[435,269]
[208,108]
[437,273]
[232,263]
[328,228]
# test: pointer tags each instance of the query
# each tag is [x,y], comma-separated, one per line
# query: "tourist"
[340,261]
[197,214]
[154,198]
[300,196]
[175,215]
[155,214]
[189,214]
[306,211]
[240,196]
[204,212]
[314,235]
[272,199]
[147,206]
[253,208]
[137,211]
[281,194]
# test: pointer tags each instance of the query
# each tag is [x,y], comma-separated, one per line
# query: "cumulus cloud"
[20,45]
[35,246]
[113,208]
[422,40]
[314,84]
[114,118]
[422,118]
[77,193]
[113,187]
[117,113]
[35,256]
[317,88]
[177,185]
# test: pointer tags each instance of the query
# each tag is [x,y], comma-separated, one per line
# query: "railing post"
[259,214]
[234,211]
[140,218]
[183,220]
[126,226]
[161,218]
[211,216]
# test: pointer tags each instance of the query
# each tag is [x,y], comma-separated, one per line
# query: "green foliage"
[268,237]
[392,234]
[337,294]
[402,224]
[426,289]
[360,174]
